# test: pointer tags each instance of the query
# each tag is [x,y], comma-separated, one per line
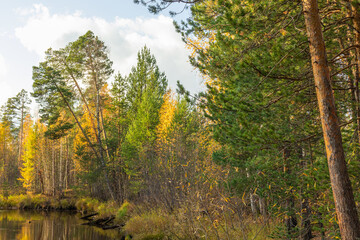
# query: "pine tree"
[261,97]
[58,80]
[340,182]
[146,87]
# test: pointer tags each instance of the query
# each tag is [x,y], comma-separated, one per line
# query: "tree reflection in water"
[32,225]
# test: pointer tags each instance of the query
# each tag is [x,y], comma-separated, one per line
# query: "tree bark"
[290,218]
[353,58]
[306,233]
[21,133]
[66,164]
[252,199]
[341,186]
[356,25]
[53,169]
[262,206]
[60,167]
[305,227]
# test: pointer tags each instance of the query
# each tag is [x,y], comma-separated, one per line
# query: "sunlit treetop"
[156,6]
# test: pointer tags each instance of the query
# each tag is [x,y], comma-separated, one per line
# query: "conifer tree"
[261,97]
[342,190]
[58,80]
[146,87]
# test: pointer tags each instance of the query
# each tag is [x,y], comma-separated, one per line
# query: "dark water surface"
[34,225]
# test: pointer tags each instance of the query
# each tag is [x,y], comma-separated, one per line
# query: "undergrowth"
[152,223]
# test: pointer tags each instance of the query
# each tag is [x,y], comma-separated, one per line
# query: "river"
[42,225]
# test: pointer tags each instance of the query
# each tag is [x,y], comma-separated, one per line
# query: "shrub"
[92,204]
[18,201]
[122,212]
[66,204]
[39,201]
[2,201]
[150,226]
[82,204]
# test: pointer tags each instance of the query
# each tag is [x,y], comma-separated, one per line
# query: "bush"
[19,201]
[83,204]
[39,201]
[2,201]
[150,226]
[122,212]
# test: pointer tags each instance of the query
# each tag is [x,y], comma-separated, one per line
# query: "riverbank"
[103,210]
[82,205]
[148,222]
[50,225]
[38,202]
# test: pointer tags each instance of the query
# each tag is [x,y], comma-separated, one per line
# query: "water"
[34,225]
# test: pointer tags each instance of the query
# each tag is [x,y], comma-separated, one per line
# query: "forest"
[270,150]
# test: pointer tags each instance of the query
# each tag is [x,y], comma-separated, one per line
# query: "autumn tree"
[7,169]
[28,160]
[85,60]
[13,117]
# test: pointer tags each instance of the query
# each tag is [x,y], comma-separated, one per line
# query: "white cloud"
[3,67]
[6,91]
[36,9]
[4,86]
[124,37]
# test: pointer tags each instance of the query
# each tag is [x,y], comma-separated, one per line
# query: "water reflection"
[30,225]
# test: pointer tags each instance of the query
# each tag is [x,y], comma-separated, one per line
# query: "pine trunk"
[53,169]
[340,182]
[21,134]
[262,206]
[356,27]
[60,168]
[253,205]
[306,233]
[290,218]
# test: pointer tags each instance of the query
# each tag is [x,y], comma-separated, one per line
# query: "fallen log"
[110,227]
[89,216]
[109,220]
[94,222]
[100,222]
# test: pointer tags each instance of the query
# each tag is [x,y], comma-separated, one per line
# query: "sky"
[28,28]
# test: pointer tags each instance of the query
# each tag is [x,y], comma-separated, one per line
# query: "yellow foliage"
[80,141]
[283,32]
[201,43]
[5,139]
[166,116]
